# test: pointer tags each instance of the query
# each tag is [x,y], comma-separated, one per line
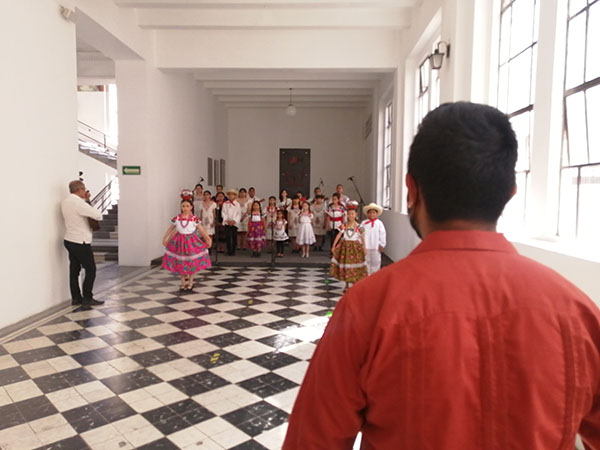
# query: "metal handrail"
[103,143]
[103,200]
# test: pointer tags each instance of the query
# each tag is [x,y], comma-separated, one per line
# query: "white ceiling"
[270,87]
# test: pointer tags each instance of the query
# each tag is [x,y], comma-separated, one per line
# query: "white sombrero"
[374,206]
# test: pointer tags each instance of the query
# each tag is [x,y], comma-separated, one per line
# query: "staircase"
[106,240]
[94,143]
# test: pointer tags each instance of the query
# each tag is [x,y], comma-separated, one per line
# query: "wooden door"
[294,171]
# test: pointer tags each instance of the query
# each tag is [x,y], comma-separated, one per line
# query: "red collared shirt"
[462,345]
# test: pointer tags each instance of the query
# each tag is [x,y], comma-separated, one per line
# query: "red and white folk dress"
[186,253]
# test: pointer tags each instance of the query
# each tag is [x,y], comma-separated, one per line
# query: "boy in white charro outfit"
[374,237]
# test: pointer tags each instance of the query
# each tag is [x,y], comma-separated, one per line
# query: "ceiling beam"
[189,4]
[295,91]
[273,18]
[295,99]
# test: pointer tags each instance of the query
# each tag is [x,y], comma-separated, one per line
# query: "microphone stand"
[361,202]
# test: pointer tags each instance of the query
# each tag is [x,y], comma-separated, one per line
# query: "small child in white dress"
[305,235]
[279,234]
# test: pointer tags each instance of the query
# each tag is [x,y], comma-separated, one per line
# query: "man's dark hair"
[463,160]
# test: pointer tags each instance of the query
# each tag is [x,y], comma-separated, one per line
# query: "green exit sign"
[132,170]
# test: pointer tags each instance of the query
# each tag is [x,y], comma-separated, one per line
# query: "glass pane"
[568,203]
[593,39]
[519,85]
[503,88]
[536,21]
[593,115]
[565,150]
[575,52]
[575,6]
[504,36]
[576,129]
[521,125]
[589,199]
[521,35]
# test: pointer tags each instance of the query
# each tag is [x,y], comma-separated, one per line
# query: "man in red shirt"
[464,344]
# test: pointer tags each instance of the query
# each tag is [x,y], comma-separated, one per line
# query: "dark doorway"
[294,170]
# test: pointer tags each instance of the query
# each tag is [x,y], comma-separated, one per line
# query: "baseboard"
[24,325]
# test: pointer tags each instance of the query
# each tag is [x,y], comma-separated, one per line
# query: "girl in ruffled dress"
[292,218]
[185,252]
[256,230]
[319,211]
[306,236]
[279,234]
[348,262]
[270,217]
[207,213]
[243,228]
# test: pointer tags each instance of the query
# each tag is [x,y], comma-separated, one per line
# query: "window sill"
[574,249]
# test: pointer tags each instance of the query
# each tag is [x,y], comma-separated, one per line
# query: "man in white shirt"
[232,215]
[76,211]
[343,197]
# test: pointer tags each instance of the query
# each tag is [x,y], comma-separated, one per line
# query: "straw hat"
[374,206]
[231,191]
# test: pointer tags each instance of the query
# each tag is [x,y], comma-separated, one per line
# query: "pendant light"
[291,109]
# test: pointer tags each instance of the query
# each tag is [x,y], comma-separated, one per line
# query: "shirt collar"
[465,240]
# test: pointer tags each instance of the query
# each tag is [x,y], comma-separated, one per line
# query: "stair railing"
[87,133]
[108,196]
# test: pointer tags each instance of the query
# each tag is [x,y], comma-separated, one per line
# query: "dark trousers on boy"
[231,239]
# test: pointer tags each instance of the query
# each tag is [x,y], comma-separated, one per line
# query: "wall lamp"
[437,57]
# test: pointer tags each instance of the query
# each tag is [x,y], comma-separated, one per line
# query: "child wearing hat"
[374,236]
[232,215]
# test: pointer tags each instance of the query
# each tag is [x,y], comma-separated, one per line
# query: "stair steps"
[105,244]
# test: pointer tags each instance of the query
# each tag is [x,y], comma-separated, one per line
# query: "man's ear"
[513,192]
[412,195]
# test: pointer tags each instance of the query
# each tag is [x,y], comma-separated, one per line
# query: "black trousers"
[231,239]
[81,255]
[280,246]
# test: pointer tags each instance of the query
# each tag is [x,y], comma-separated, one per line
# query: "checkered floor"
[152,368]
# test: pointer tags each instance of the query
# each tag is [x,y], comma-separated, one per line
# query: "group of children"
[237,219]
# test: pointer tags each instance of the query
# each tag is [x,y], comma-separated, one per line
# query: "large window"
[387,158]
[579,207]
[516,89]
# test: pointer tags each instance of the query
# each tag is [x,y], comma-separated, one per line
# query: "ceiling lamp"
[291,109]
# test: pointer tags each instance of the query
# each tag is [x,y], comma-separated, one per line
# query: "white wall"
[167,126]
[334,137]
[91,110]
[38,117]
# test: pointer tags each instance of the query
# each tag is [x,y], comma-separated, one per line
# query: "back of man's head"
[75,185]
[463,160]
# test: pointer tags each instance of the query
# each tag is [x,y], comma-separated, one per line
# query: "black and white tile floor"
[152,368]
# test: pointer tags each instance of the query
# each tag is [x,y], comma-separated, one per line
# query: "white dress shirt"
[231,211]
[375,236]
[75,212]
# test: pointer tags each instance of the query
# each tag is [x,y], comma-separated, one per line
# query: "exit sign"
[132,170]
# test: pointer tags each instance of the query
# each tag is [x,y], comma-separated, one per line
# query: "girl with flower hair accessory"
[185,252]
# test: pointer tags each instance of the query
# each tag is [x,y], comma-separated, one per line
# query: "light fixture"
[291,109]
[437,57]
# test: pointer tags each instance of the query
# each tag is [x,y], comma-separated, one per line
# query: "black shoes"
[92,302]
